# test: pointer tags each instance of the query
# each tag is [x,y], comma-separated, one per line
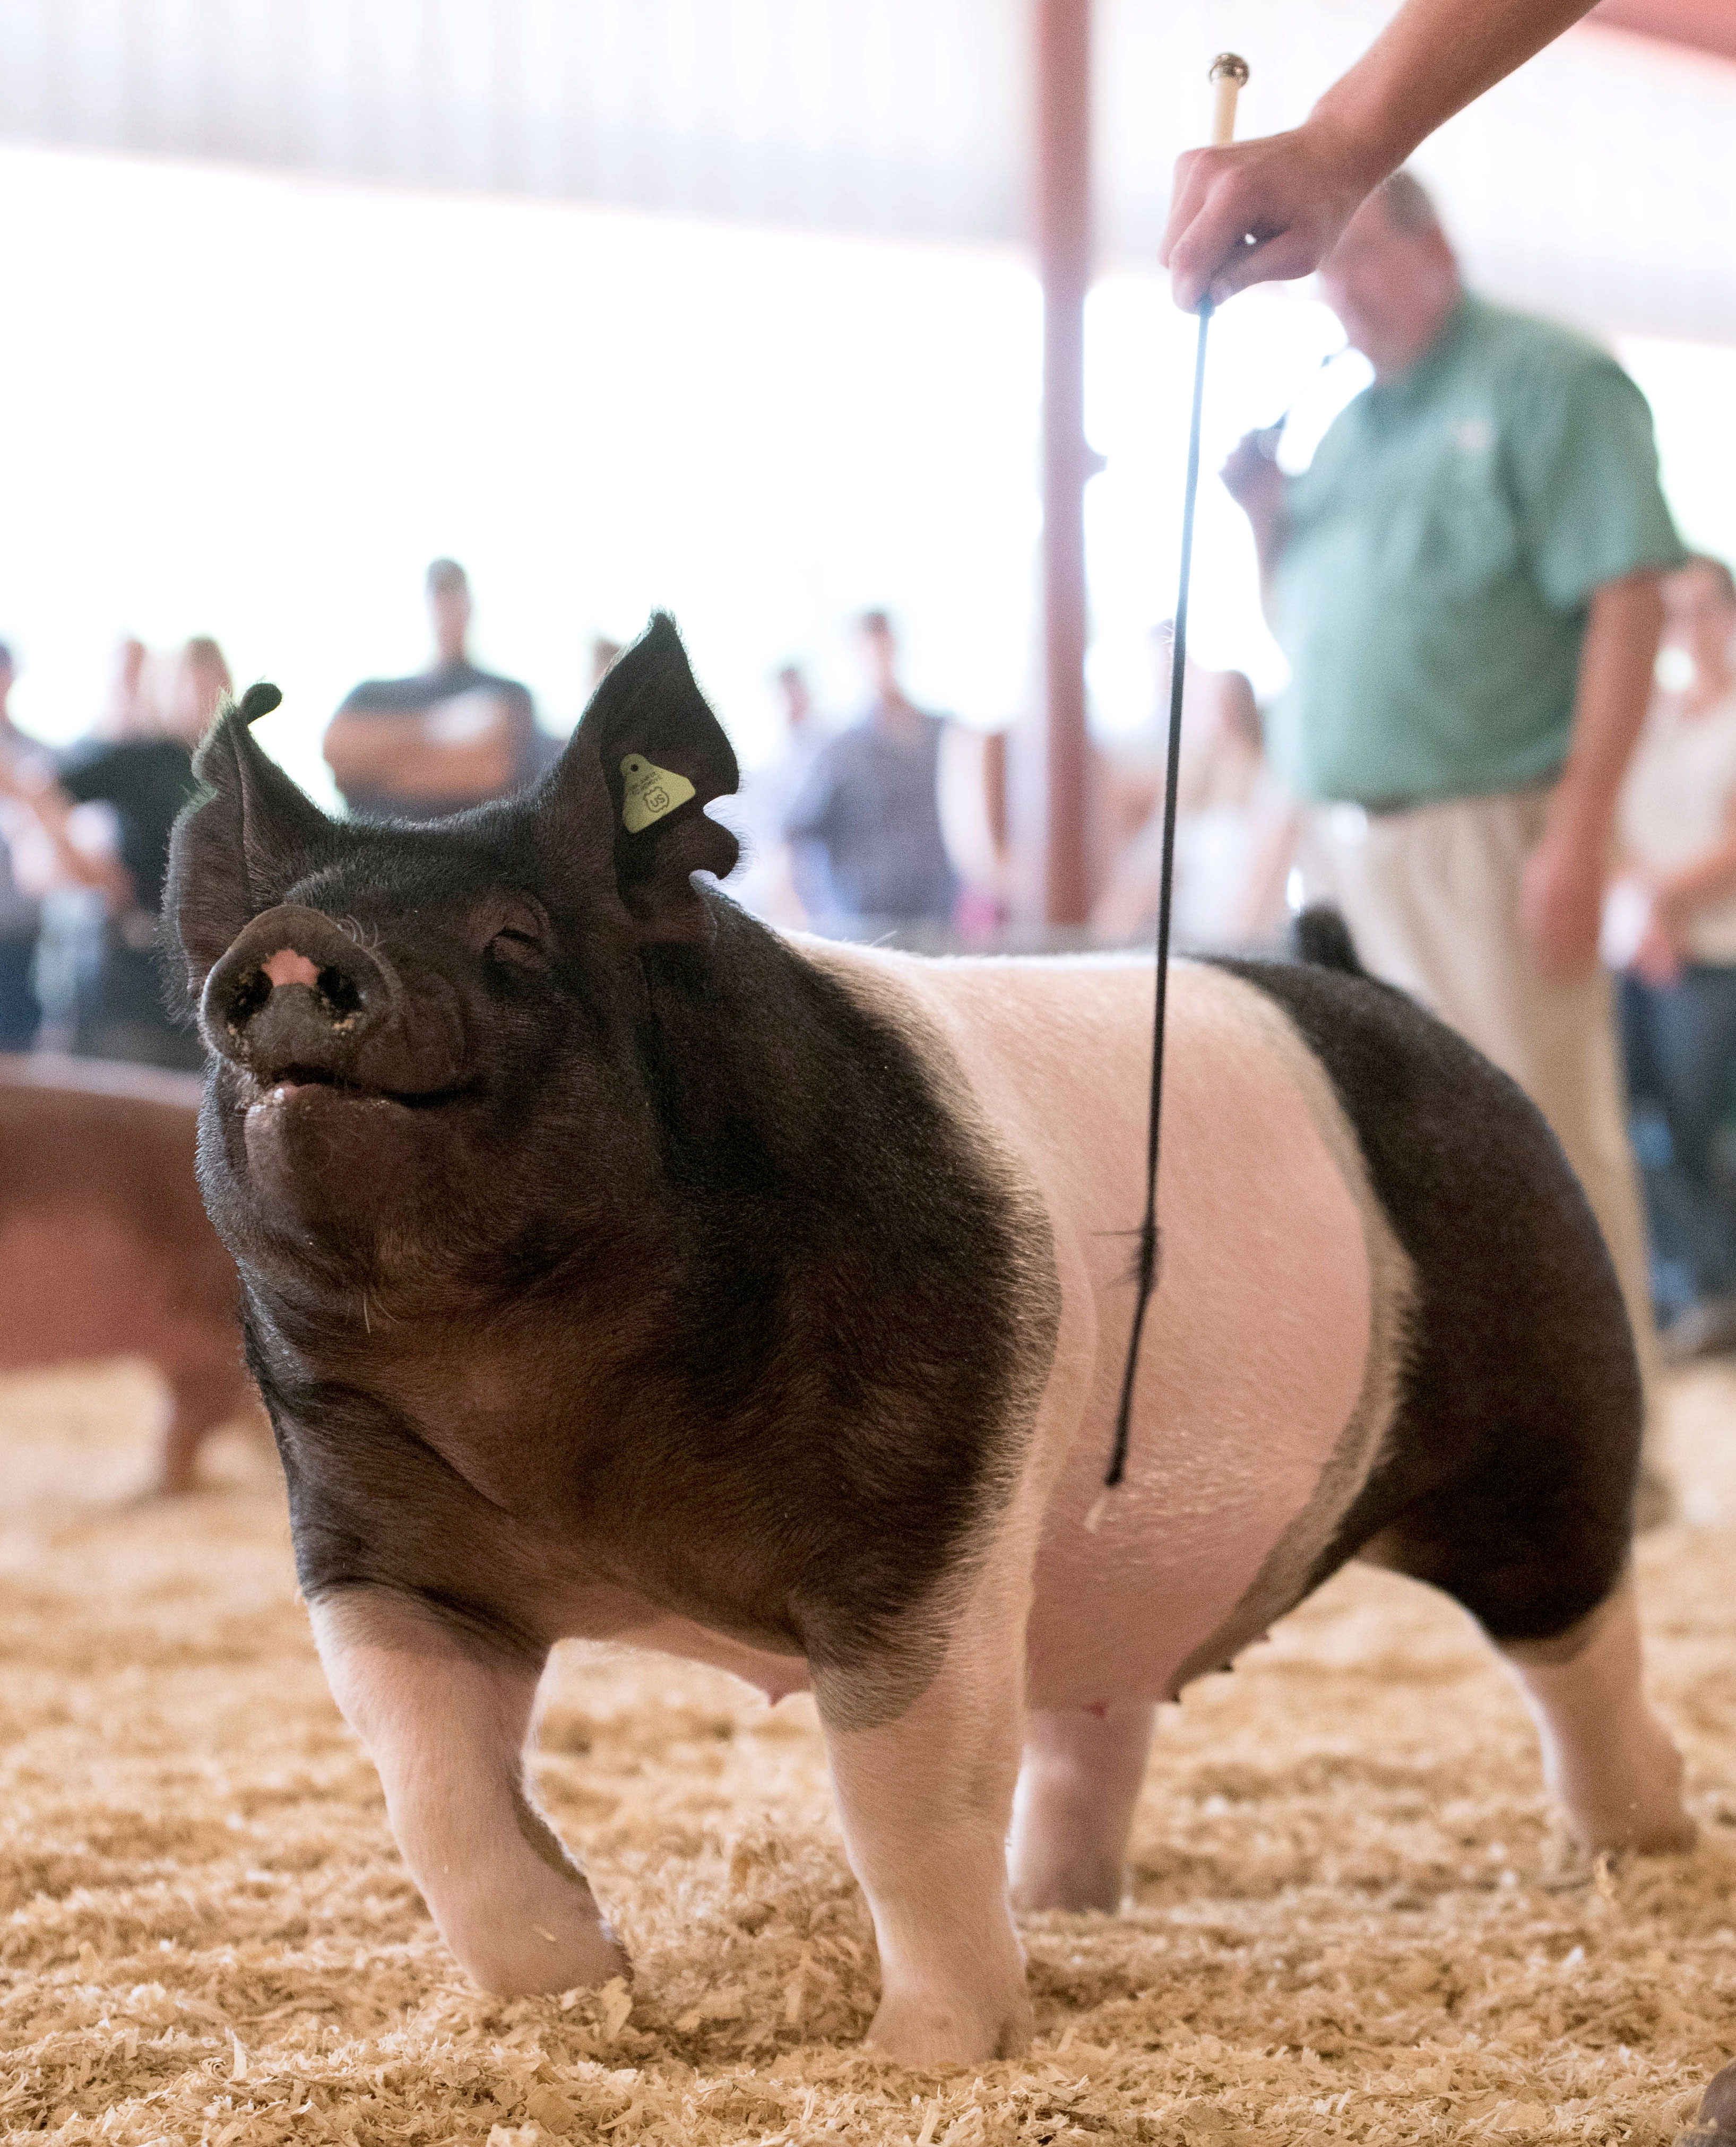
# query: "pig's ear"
[647,759]
[237,848]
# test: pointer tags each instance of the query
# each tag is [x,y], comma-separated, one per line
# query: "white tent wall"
[1596,184]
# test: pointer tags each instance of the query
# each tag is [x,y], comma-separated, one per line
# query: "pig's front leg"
[925,1801]
[445,1723]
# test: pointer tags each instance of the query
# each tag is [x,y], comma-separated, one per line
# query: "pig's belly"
[1250,1433]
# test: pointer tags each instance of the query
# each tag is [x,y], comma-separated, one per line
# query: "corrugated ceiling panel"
[908,117]
[1600,182]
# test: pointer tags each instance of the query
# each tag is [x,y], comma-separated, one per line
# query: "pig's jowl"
[614,1267]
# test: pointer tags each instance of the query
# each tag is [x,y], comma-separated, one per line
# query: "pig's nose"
[294,991]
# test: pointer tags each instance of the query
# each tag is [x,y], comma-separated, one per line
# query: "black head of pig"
[393,1010]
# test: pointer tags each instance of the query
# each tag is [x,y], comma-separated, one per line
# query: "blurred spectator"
[125,712]
[1235,825]
[1671,924]
[453,736]
[1465,582]
[20,910]
[105,826]
[870,804]
[784,881]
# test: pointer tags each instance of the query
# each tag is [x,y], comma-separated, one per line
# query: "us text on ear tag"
[647,792]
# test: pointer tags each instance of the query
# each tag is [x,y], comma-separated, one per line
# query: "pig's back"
[1268,1369]
[105,1248]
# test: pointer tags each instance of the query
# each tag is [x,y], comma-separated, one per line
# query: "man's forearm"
[73,865]
[1431,60]
[394,754]
[1250,478]
[1616,667]
[1561,894]
[1271,533]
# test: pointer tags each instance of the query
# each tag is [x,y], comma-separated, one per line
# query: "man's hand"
[1657,958]
[1561,903]
[1252,477]
[1292,193]
[1296,192]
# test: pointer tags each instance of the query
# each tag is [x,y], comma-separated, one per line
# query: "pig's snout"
[294,993]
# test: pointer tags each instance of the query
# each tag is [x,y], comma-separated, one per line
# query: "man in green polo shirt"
[1465,583]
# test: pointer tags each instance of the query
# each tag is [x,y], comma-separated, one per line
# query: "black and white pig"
[615,1267]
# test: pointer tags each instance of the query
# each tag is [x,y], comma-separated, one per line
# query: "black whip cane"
[1228,73]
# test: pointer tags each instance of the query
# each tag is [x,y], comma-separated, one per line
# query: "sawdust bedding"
[1353,1917]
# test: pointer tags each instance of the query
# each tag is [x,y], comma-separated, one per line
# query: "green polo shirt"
[1444,546]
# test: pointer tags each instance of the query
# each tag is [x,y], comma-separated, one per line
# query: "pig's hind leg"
[1606,1758]
[1524,1548]
[1074,1805]
[445,1722]
[1507,1476]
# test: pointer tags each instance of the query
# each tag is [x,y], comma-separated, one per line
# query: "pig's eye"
[514,932]
[521,949]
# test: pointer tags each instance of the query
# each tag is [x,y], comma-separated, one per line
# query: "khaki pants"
[1431,899]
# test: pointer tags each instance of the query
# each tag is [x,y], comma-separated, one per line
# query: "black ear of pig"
[649,750]
[239,845]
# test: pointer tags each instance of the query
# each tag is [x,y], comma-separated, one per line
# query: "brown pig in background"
[614,1267]
[105,1247]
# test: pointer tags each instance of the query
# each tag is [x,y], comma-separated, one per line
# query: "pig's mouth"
[289,1082]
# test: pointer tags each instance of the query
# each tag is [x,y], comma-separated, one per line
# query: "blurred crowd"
[1509,741]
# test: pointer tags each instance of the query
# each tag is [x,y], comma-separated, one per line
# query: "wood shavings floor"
[1353,1917]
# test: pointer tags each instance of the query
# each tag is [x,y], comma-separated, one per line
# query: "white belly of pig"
[1255,1414]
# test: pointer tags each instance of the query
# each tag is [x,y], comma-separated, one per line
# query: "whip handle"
[1229,71]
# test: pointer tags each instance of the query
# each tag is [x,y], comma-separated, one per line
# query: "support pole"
[1063,252]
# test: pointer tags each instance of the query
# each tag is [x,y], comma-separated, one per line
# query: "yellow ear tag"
[649,791]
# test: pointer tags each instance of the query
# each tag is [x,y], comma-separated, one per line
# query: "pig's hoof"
[1640,1834]
[922,2031]
[1635,1804]
[1674,1837]
[543,1959]
[1715,2126]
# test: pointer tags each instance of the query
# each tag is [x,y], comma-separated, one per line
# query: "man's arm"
[1682,894]
[1253,480]
[1296,192]
[406,757]
[58,857]
[1677,897]
[1561,898]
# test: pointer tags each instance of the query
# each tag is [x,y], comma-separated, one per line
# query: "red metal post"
[1063,251]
